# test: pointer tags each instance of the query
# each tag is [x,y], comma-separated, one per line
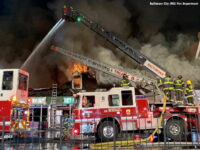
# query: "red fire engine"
[14,101]
[106,113]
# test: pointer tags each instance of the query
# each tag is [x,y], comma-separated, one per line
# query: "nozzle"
[53,48]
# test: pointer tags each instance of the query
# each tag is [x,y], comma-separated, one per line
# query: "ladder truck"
[95,112]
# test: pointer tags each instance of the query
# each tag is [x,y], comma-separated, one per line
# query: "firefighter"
[125,81]
[168,88]
[189,93]
[179,86]
[66,133]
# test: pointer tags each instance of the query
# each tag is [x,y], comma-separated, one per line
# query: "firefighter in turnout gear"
[168,88]
[125,81]
[189,93]
[66,133]
[179,86]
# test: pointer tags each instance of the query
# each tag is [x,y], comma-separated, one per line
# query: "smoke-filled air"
[155,31]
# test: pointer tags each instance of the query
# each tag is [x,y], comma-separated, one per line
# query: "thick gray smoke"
[80,39]
[167,56]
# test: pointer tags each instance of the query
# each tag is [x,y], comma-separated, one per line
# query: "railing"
[113,131]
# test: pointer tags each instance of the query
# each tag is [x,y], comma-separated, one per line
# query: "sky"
[24,23]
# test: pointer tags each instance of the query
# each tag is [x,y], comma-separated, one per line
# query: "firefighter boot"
[190,101]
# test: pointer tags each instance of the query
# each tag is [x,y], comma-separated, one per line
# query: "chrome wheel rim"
[108,132]
[174,129]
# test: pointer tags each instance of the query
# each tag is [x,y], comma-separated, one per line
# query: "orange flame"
[77,82]
[79,68]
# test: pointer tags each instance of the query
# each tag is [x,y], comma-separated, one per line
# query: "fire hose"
[125,144]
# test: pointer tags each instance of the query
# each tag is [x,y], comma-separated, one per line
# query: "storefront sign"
[68,100]
[38,100]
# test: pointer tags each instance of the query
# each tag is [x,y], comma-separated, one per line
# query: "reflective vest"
[168,83]
[178,85]
[189,91]
[125,82]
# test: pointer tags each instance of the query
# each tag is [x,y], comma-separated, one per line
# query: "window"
[88,101]
[127,98]
[77,82]
[22,82]
[7,83]
[113,100]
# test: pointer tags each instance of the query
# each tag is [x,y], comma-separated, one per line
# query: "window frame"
[87,102]
[3,81]
[133,104]
[111,99]
[25,78]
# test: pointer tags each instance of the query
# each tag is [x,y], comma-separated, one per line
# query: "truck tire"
[107,132]
[174,129]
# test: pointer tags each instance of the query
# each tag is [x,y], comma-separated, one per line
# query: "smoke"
[167,55]
[24,23]
[20,29]
[157,46]
[82,40]
[106,56]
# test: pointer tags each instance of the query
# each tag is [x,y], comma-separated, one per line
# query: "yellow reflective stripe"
[168,82]
[179,101]
[189,96]
[179,90]
[168,88]
[190,104]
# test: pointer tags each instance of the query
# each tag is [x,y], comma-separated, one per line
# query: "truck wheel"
[107,131]
[174,129]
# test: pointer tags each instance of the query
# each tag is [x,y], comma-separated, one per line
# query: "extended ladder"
[111,70]
[73,15]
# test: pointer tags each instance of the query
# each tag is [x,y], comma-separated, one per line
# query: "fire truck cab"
[14,101]
[107,113]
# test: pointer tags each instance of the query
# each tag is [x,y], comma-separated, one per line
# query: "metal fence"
[174,132]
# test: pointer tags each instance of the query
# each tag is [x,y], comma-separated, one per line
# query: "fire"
[77,82]
[79,68]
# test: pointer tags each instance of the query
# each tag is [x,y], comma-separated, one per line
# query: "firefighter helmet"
[124,76]
[180,77]
[169,75]
[188,82]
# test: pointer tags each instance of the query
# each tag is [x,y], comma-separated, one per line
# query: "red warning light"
[76,132]
[65,9]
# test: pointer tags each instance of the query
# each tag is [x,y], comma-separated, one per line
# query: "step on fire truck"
[107,113]
[14,101]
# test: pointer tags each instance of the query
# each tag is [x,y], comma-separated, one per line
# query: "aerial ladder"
[114,71]
[136,79]
[72,15]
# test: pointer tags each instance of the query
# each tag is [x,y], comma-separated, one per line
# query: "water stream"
[42,44]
